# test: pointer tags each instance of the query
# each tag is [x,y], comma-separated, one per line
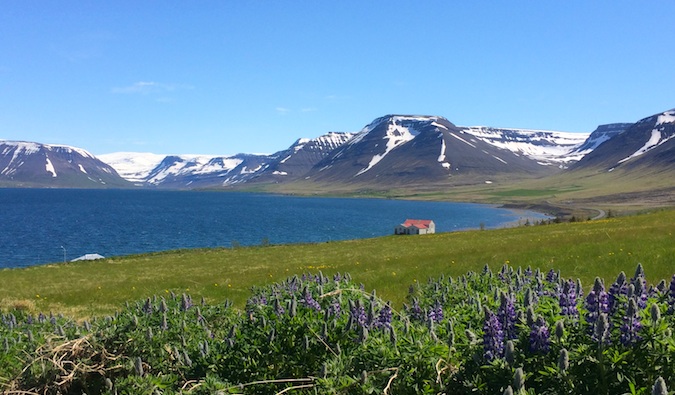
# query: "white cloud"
[150,87]
[308,109]
[283,110]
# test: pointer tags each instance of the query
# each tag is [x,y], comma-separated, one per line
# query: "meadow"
[390,264]
[582,307]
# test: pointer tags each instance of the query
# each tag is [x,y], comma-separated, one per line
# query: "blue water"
[43,225]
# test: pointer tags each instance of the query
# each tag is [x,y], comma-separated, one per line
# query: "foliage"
[513,331]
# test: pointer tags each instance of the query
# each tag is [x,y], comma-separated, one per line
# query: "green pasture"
[388,264]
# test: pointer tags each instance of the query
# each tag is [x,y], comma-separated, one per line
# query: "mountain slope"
[546,147]
[649,143]
[204,171]
[296,161]
[33,164]
[404,149]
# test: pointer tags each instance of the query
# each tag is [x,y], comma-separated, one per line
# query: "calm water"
[42,225]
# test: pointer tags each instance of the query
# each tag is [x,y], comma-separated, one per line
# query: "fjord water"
[52,225]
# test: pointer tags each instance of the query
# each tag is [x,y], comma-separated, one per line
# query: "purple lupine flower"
[337,277]
[334,307]
[601,329]
[435,313]
[671,296]
[507,315]
[357,314]
[528,271]
[551,276]
[597,302]
[540,337]
[384,317]
[185,302]
[493,337]
[568,299]
[278,308]
[640,283]
[416,311]
[619,288]
[631,325]
[147,307]
[309,301]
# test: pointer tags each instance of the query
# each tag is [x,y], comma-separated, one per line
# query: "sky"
[226,77]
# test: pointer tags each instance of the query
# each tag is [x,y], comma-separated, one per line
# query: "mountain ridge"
[393,149]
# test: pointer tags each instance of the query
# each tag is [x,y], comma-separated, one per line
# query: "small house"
[415,227]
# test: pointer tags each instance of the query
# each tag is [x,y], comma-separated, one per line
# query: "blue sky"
[223,77]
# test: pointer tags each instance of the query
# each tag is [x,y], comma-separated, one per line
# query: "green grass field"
[389,264]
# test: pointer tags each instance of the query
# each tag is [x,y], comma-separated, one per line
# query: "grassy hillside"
[388,264]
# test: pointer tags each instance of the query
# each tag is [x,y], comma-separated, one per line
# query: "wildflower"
[597,302]
[655,313]
[564,360]
[493,337]
[559,329]
[640,283]
[138,366]
[510,352]
[507,315]
[334,307]
[601,329]
[309,301]
[278,308]
[631,325]
[416,310]
[539,336]
[384,317]
[451,334]
[147,307]
[435,313]
[357,314]
[568,299]
[659,387]
[185,302]
[519,380]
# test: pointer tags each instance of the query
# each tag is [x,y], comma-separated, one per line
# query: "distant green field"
[389,264]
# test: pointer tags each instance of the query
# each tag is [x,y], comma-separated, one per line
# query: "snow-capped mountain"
[649,143]
[599,136]
[133,166]
[299,158]
[412,149]
[33,164]
[391,150]
[200,171]
[544,146]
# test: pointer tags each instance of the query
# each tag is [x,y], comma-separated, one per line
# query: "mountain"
[203,171]
[36,165]
[599,136]
[184,171]
[647,144]
[544,146]
[296,161]
[404,149]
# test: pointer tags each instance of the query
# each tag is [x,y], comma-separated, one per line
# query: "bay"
[39,226]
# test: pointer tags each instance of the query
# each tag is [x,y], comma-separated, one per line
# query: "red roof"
[419,223]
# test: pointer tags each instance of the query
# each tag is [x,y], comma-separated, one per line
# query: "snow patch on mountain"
[395,135]
[666,117]
[544,146]
[657,136]
[133,166]
[50,167]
